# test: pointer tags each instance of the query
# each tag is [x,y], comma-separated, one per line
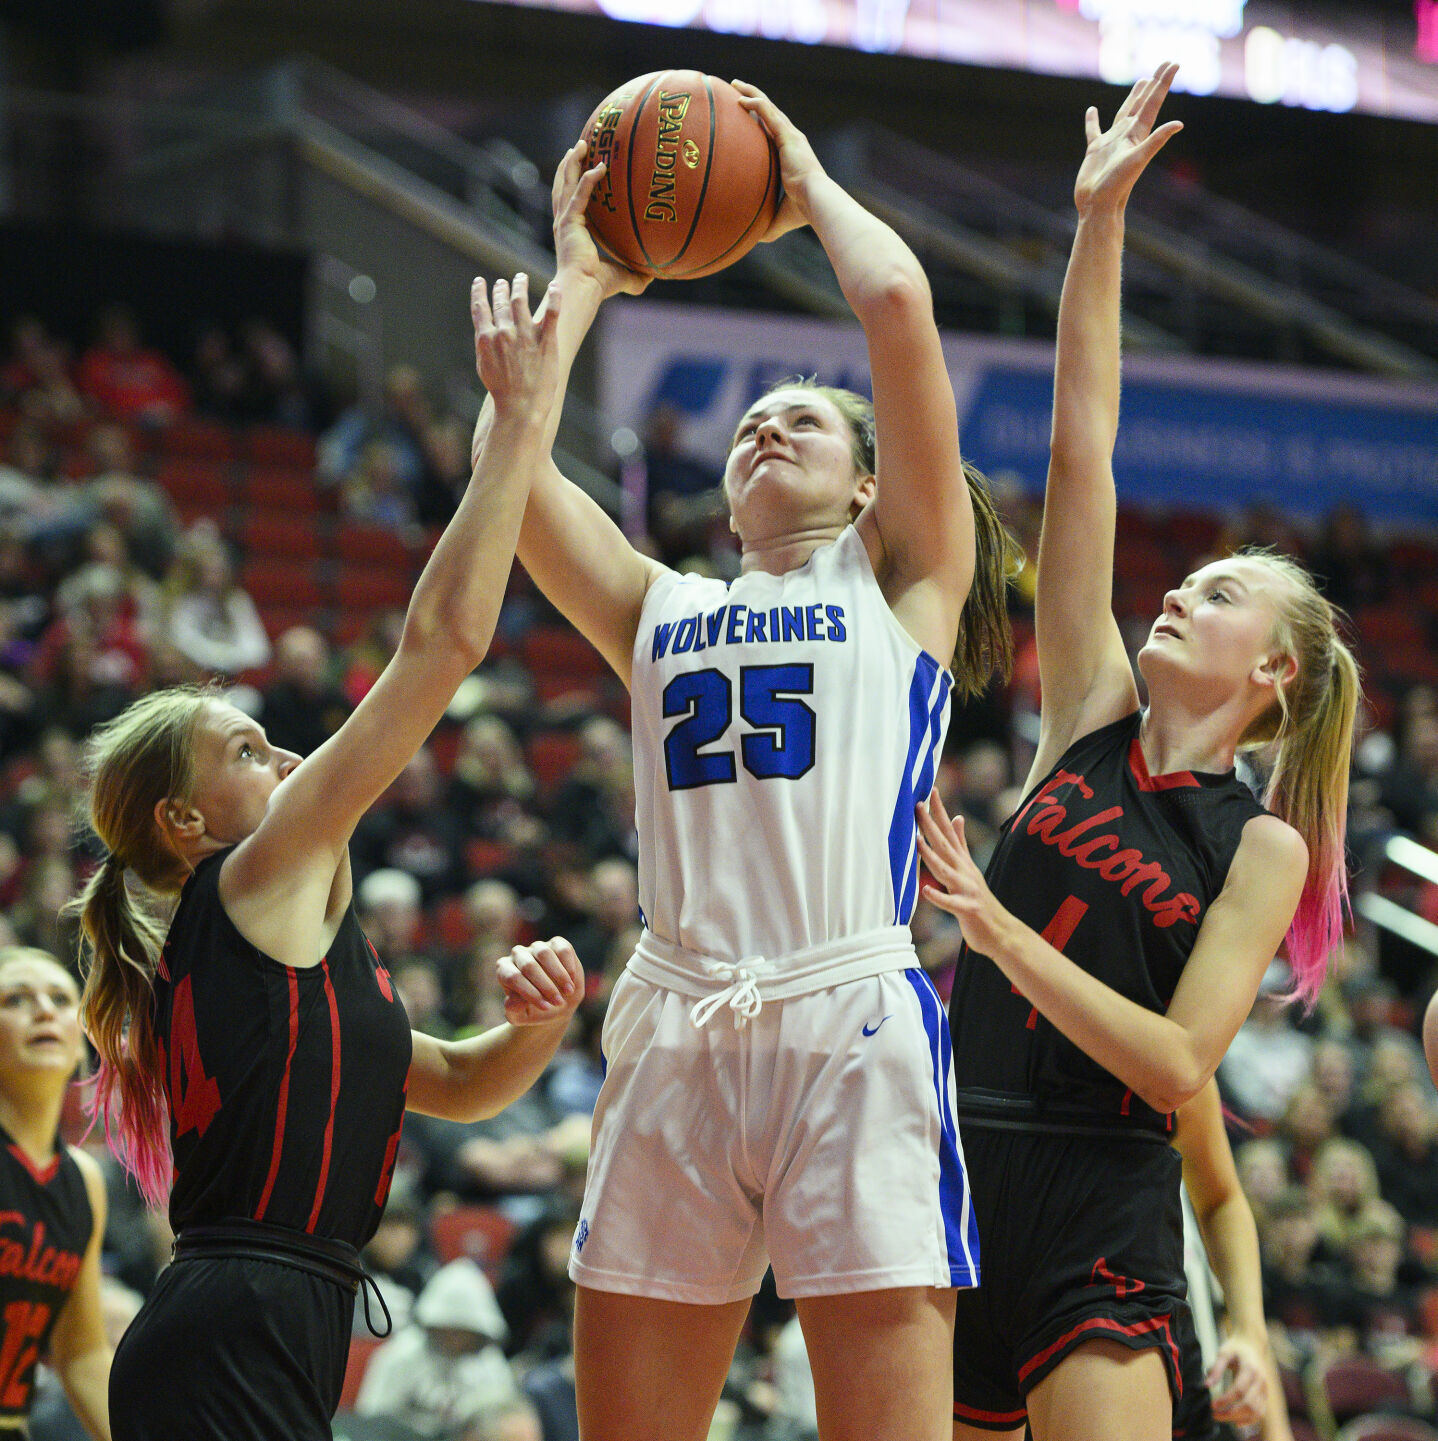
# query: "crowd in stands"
[517,821]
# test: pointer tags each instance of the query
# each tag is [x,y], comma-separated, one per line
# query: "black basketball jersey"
[286,1085]
[45,1228]
[1115,868]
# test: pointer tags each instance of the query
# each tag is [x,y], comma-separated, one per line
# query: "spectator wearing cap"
[442,1372]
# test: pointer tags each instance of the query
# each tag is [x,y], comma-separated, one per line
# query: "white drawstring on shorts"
[740,994]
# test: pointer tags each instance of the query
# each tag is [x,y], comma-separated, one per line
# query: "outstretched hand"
[541,982]
[1238,1382]
[962,890]
[574,249]
[1116,157]
[516,356]
[797,162]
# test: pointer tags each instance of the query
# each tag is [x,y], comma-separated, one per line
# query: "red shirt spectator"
[126,380]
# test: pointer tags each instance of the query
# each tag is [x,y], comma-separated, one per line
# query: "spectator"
[418,983]
[401,423]
[412,830]
[515,1419]
[300,706]
[213,622]
[491,789]
[1407,1153]
[1350,569]
[593,810]
[495,924]
[1268,1059]
[535,1292]
[1296,1278]
[1306,1126]
[1344,1183]
[387,905]
[1374,1301]
[136,507]
[441,1373]
[605,939]
[121,378]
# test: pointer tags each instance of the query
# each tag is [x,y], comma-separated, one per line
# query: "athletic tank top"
[1116,869]
[45,1228]
[784,727]
[286,1085]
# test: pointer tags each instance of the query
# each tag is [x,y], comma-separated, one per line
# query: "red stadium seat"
[362,1348]
[277,445]
[551,756]
[202,484]
[484,858]
[197,439]
[274,534]
[372,545]
[563,650]
[277,583]
[369,590]
[280,488]
[1387,1428]
[479,1232]
[1340,1389]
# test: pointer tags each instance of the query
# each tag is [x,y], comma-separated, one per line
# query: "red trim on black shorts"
[989,1418]
[1107,1323]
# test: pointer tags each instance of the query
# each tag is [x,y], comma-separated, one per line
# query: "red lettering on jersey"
[49,1265]
[194,1096]
[25,1323]
[1057,933]
[1122,1285]
[1101,854]
[382,976]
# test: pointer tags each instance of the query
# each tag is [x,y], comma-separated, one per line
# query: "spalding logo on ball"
[691,180]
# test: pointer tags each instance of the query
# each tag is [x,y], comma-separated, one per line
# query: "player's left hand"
[797,162]
[541,982]
[961,890]
[1238,1383]
[1116,157]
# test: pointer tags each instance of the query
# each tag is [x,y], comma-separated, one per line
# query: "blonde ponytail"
[1308,737]
[142,757]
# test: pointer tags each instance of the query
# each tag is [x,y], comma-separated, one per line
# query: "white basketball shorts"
[820,1137]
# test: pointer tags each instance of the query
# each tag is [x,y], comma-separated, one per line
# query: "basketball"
[691,180]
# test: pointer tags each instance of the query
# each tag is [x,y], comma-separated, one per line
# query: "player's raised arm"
[1085,673]
[921,511]
[574,552]
[302,839]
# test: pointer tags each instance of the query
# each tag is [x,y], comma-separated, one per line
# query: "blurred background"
[236,395]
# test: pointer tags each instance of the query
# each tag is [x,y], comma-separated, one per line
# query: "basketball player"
[1133,902]
[777,1085]
[262,1029]
[52,1201]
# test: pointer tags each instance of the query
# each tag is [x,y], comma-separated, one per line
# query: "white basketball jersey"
[784,729]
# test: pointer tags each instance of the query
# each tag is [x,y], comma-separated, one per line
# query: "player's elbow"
[893,294]
[1175,1083]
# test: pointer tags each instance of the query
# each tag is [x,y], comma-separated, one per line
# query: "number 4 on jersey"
[1057,933]
[194,1096]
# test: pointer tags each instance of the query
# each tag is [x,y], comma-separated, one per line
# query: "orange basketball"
[692,179]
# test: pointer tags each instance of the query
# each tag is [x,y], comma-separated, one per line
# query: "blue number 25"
[782,742]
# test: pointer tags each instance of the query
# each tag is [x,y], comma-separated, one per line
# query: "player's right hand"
[541,982]
[516,356]
[574,249]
